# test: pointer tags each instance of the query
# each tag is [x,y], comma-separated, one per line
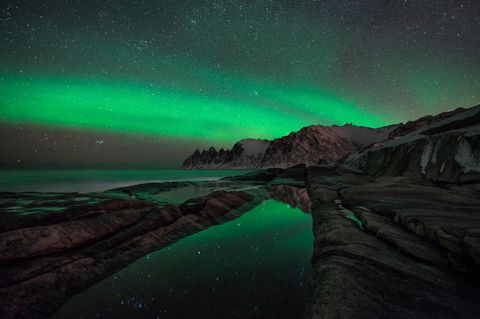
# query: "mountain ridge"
[311,145]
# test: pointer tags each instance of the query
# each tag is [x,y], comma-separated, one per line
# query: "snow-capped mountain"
[329,145]
[312,145]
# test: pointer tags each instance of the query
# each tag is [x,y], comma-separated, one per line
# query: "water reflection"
[293,195]
[257,266]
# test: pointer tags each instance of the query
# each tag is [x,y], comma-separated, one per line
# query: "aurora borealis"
[145,82]
[131,108]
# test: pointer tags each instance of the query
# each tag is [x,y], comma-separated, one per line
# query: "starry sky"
[125,83]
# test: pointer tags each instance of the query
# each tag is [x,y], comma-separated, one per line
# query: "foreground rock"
[385,246]
[47,255]
[391,247]
[53,246]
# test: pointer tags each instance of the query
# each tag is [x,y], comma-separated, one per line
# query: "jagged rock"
[246,153]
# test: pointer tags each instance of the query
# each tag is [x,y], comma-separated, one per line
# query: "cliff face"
[312,145]
[444,151]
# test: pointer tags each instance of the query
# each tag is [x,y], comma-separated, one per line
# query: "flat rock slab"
[414,255]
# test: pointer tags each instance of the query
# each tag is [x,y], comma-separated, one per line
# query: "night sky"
[111,83]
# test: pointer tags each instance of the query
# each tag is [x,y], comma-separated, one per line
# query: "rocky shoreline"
[397,225]
[384,247]
[44,265]
[53,246]
[413,253]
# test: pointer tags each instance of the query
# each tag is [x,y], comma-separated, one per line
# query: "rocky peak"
[245,153]
[311,145]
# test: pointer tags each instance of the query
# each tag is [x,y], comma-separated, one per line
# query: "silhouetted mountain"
[312,145]
[246,153]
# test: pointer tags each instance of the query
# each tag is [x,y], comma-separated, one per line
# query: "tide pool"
[256,266]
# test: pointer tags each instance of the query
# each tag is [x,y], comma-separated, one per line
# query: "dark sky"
[145,82]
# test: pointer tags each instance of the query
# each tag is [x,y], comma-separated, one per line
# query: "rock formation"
[447,150]
[391,247]
[246,153]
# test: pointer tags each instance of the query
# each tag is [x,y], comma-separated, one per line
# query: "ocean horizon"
[98,180]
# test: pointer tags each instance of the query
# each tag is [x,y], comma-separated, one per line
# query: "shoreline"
[375,239]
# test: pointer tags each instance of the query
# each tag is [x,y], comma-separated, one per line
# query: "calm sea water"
[97,180]
[257,266]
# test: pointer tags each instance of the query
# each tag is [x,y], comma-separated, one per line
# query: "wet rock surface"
[53,246]
[393,247]
[88,237]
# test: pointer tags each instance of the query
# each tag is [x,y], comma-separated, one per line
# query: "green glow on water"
[257,264]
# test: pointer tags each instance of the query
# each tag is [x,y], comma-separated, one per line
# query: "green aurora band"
[199,73]
[245,108]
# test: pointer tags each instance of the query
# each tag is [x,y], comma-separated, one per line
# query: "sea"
[84,181]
